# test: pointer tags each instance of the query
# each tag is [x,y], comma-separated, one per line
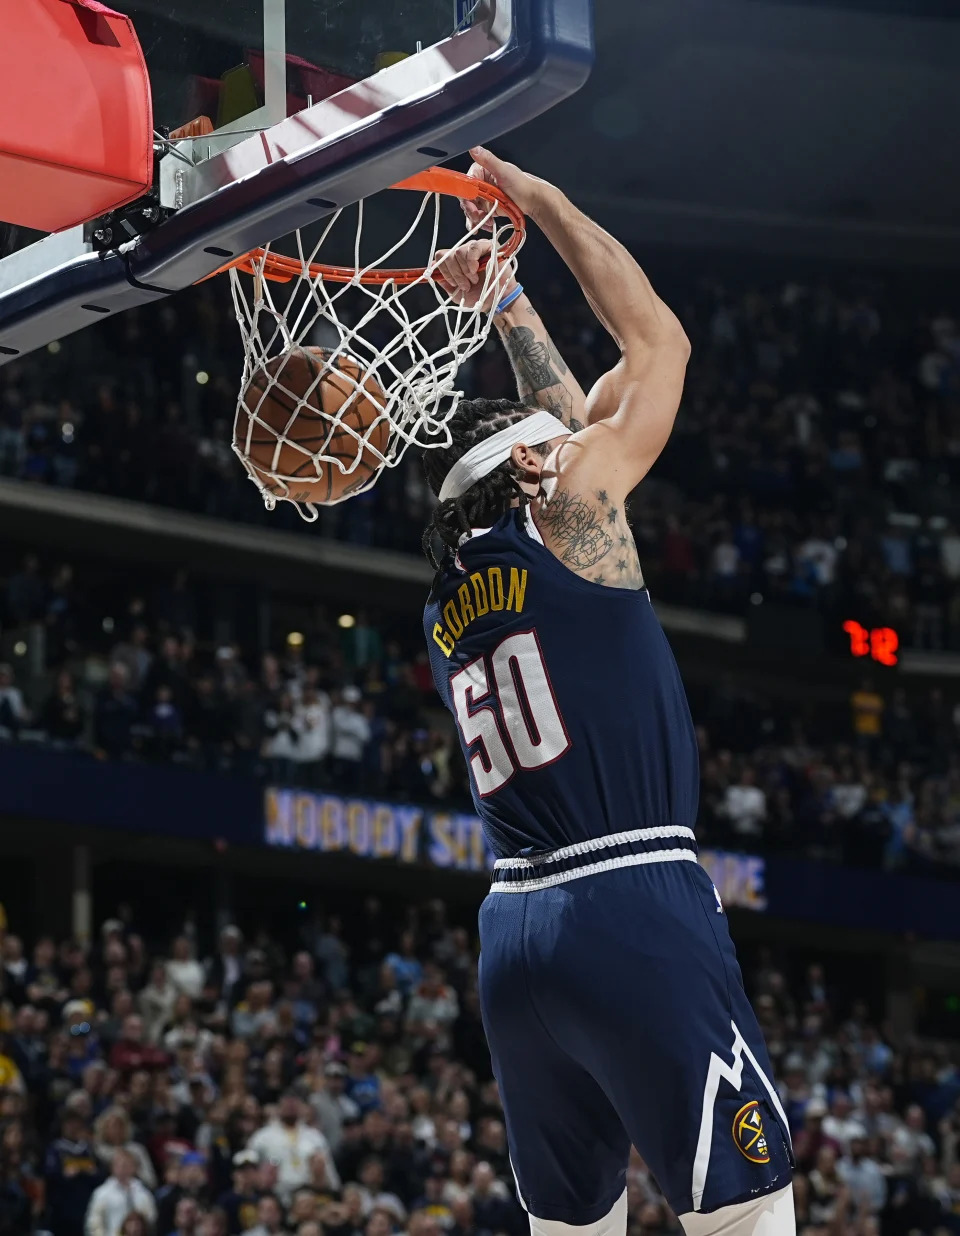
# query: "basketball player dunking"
[611,995]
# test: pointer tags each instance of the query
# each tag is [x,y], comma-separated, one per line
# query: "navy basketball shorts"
[615,1012]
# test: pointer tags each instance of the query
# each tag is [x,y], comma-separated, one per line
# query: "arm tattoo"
[575,529]
[533,359]
[540,371]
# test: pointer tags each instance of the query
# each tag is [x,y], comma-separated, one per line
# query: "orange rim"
[281,269]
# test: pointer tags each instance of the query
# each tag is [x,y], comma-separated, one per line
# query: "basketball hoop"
[389,330]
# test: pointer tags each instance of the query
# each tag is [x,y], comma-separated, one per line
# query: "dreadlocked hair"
[484,502]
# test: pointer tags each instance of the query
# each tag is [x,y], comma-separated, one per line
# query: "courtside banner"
[330,824]
[70,787]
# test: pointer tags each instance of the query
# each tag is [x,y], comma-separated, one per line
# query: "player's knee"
[613,1223]
[770,1215]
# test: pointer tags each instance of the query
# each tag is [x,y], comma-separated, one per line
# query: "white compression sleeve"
[770,1215]
[614,1223]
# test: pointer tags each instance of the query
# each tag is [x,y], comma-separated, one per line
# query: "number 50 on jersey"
[507,711]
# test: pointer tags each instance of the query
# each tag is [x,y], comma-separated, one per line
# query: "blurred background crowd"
[206,1031]
[814,460]
[870,778]
[338,1084]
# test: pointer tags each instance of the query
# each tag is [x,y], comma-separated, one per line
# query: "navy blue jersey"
[568,701]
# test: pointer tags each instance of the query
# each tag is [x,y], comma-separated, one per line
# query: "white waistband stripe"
[597,843]
[576,873]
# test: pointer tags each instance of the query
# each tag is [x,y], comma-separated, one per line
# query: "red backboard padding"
[76,114]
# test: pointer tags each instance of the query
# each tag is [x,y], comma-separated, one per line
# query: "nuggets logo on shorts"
[749,1135]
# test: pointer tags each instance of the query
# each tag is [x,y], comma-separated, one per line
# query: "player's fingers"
[473,209]
[492,167]
[442,265]
[472,254]
[478,215]
[466,270]
[478,210]
[458,281]
[448,273]
[482,214]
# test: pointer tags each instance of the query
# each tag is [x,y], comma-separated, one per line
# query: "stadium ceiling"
[771,113]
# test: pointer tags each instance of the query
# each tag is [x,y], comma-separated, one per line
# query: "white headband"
[481,459]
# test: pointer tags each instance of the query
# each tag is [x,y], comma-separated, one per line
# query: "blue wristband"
[509,299]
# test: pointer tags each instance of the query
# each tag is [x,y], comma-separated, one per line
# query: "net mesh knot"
[405,336]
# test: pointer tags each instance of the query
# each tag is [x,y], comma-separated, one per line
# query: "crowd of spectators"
[343,706]
[332,1092]
[343,1088]
[873,781]
[812,463]
[883,793]
[814,459]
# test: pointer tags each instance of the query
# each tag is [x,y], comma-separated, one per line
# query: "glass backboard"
[271,114]
[250,63]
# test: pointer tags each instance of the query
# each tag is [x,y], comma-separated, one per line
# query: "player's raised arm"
[631,410]
[543,378]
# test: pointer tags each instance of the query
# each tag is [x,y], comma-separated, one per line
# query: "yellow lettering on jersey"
[495,582]
[488,594]
[453,620]
[466,609]
[480,593]
[518,588]
[443,639]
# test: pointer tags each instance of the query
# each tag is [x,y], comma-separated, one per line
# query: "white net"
[391,349]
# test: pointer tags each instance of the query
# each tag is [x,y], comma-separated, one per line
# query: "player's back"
[568,701]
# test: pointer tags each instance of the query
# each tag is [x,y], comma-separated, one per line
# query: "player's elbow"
[672,340]
[665,342]
[665,353]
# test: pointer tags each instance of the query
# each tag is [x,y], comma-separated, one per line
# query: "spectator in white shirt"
[120,1194]
[912,1137]
[13,711]
[725,558]
[155,1003]
[350,733]
[280,745]
[113,1132]
[840,1124]
[311,720]
[290,1143]
[432,1002]
[849,795]
[822,556]
[183,970]
[745,805]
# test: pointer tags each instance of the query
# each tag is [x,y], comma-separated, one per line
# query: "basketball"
[293,407]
